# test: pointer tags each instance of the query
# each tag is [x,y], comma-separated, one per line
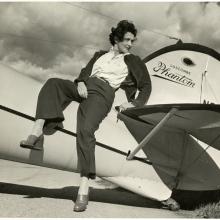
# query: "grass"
[211,210]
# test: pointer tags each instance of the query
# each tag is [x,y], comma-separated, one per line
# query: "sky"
[48,39]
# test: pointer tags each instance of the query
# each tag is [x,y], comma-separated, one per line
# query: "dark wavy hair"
[122,28]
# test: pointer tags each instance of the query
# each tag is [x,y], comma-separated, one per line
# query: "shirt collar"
[112,50]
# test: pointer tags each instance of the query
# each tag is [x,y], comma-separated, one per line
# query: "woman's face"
[126,44]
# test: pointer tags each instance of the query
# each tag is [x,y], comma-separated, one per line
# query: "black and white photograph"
[109,109]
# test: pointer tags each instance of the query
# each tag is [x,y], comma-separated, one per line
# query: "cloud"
[198,22]
[42,33]
[57,39]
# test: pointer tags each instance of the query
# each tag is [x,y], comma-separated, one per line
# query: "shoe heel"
[39,145]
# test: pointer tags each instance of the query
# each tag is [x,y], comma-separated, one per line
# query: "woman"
[95,90]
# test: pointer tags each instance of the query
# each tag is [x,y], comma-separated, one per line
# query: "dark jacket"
[138,78]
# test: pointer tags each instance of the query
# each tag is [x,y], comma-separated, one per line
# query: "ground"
[32,191]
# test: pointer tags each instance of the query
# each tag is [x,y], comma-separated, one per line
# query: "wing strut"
[152,133]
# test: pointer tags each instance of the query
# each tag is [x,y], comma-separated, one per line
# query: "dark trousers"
[56,95]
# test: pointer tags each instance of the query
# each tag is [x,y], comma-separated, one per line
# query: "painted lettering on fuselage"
[167,73]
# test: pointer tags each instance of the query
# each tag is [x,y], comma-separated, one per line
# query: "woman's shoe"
[33,142]
[81,203]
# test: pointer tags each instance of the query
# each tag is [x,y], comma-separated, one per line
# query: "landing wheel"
[171,204]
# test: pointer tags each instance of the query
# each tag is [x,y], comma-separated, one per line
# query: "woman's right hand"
[82,90]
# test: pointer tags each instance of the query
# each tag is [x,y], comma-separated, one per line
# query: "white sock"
[37,129]
[84,186]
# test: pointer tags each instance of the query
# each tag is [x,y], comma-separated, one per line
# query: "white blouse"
[111,67]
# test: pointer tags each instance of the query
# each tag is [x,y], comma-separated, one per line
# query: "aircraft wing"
[200,120]
[178,158]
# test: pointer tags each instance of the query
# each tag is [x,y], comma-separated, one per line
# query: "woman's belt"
[104,80]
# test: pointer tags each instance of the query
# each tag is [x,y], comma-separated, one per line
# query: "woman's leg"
[54,97]
[90,114]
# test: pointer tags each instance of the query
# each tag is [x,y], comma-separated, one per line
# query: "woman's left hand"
[125,106]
